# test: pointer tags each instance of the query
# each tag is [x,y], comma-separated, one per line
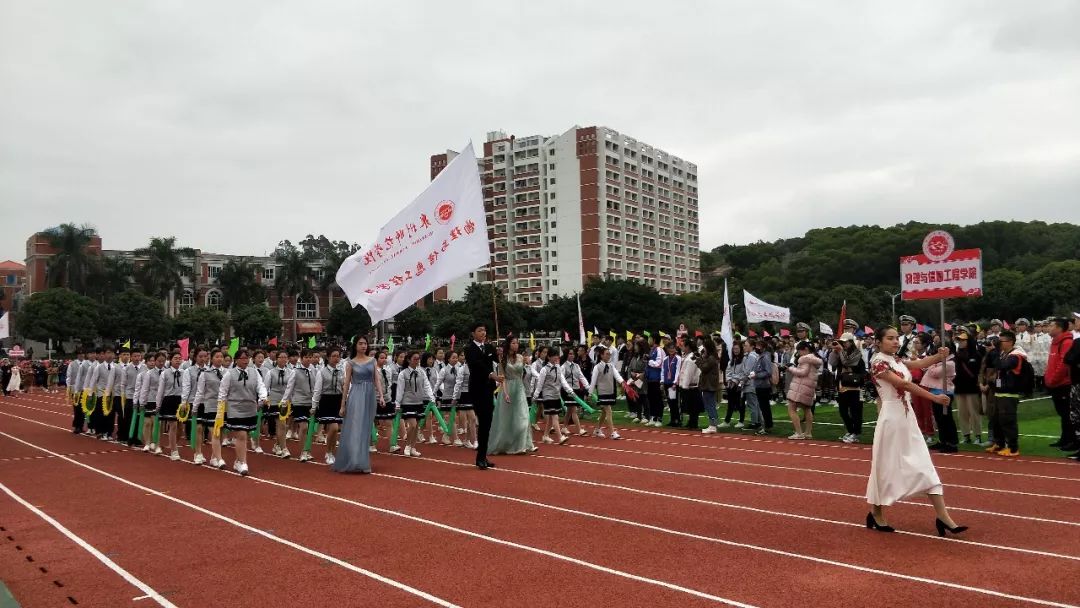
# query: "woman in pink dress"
[901,465]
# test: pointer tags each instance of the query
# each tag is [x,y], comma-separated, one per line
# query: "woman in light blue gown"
[510,422]
[364,388]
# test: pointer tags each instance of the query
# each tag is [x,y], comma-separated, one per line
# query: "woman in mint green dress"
[510,421]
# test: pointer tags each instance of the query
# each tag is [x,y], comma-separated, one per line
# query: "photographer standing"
[846,361]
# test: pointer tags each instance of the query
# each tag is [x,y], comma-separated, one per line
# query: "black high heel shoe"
[872,524]
[942,528]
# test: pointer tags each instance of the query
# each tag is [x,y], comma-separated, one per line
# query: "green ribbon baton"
[194,432]
[394,426]
[157,429]
[453,416]
[583,404]
[532,413]
[131,427]
[258,425]
[139,424]
[374,433]
[310,432]
[438,416]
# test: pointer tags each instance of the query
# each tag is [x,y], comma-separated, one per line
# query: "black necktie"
[176,378]
[281,376]
[243,376]
[218,372]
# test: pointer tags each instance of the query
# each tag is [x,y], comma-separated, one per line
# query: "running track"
[661,518]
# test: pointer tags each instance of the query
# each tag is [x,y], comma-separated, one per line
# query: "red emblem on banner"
[444,211]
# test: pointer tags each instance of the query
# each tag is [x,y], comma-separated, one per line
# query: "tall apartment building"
[590,202]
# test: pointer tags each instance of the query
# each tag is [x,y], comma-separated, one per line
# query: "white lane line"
[312,552]
[469,533]
[721,541]
[802,455]
[806,470]
[763,484]
[101,557]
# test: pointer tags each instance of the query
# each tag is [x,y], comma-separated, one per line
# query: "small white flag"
[580,322]
[5,326]
[760,310]
[439,237]
[824,329]
[725,323]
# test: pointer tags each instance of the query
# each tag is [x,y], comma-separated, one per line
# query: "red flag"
[184,347]
[920,328]
[843,317]
[766,334]
[753,334]
[698,334]
[784,333]
[1005,324]
[273,341]
[868,330]
[566,336]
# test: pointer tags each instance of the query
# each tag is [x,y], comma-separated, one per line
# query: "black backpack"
[1025,377]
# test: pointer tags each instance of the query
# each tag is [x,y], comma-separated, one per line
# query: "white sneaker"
[536,426]
[657,423]
[582,433]
[600,433]
[174,455]
[708,431]
[547,439]
[532,449]
[446,440]
[225,443]
[199,459]
[156,451]
[797,436]
[277,450]
[739,425]
[372,449]
[458,443]
[723,425]
[146,448]
[329,459]
[394,449]
[616,435]
[433,440]
[472,445]
[220,464]
[241,468]
[564,430]
[258,449]
[285,453]
[564,439]
[415,452]
[633,417]
[290,435]
[420,438]
[304,457]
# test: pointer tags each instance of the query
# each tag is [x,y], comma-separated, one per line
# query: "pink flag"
[868,330]
[753,334]
[766,334]
[566,336]
[948,327]
[453,338]
[1005,324]
[184,345]
[920,328]
[784,333]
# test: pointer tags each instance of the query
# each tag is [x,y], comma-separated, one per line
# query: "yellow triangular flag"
[127,344]
[532,343]
[588,337]
[614,336]
[629,336]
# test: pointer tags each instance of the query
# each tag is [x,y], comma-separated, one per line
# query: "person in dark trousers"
[762,378]
[481,359]
[670,377]
[1007,396]
[846,361]
[1072,359]
[1059,383]
[653,372]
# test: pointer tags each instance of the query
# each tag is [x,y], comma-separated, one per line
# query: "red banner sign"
[959,275]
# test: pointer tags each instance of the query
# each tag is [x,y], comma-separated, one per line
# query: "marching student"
[430,366]
[605,380]
[466,415]
[172,385]
[299,392]
[148,399]
[270,361]
[276,379]
[82,388]
[255,366]
[574,384]
[242,391]
[546,393]
[532,372]
[413,393]
[74,370]
[401,361]
[385,413]
[205,402]
[201,362]
[326,400]
[445,384]
[130,367]
[100,386]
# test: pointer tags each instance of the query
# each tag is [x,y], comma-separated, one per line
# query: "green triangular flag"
[311,342]
[234,345]
[427,342]
[390,344]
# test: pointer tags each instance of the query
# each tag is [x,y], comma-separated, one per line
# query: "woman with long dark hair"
[635,373]
[900,466]
[734,387]
[709,382]
[362,391]
[510,421]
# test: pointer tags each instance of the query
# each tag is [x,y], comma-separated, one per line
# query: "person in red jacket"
[1059,383]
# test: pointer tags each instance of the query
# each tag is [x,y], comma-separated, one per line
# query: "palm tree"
[70,266]
[239,287]
[161,274]
[293,275]
[111,277]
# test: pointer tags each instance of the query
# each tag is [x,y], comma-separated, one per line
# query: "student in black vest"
[481,359]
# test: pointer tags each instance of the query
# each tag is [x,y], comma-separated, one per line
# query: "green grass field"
[1039,425]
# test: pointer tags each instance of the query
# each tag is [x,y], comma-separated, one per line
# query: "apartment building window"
[187,299]
[213,271]
[307,307]
[613,234]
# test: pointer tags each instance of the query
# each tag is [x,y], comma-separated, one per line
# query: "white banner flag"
[824,329]
[758,310]
[580,322]
[725,322]
[5,327]
[439,237]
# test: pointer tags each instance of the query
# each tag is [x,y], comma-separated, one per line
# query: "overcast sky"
[232,125]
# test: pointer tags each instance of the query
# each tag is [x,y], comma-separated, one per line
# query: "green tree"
[622,304]
[346,320]
[59,314]
[239,285]
[330,254]
[452,319]
[1053,289]
[71,264]
[413,322]
[293,275]
[161,272]
[111,277]
[130,314]
[204,325]
[256,322]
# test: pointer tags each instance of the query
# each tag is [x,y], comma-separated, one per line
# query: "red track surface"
[660,519]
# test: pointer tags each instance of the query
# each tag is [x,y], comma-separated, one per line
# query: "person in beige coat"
[804,375]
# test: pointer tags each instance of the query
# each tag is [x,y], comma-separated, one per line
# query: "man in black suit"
[481,359]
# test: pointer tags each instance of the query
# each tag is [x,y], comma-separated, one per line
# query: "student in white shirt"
[605,382]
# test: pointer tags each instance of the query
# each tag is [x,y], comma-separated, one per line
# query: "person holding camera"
[847,363]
